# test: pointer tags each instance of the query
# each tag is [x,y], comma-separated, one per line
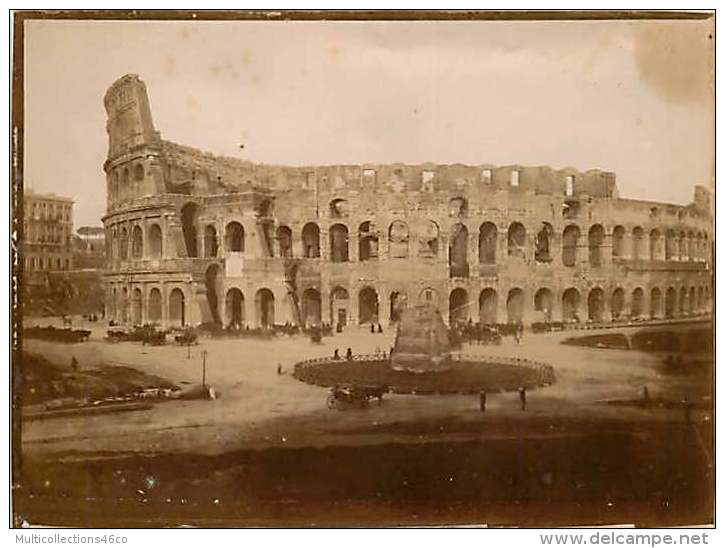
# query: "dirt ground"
[258,408]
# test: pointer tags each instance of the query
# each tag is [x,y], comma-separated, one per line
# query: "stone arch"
[339,208]
[693,300]
[177,307]
[670,302]
[211,242]
[617,304]
[125,184]
[234,306]
[670,242]
[264,306]
[569,245]
[428,296]
[655,303]
[398,301]
[367,305]
[543,243]
[618,235]
[682,246]
[516,240]
[137,242]
[189,217]
[213,284]
[156,241]
[311,241]
[234,237]
[544,302]
[457,306]
[458,256]
[339,305]
[123,244]
[638,246]
[284,240]
[311,307]
[488,306]
[691,254]
[595,305]
[683,308]
[515,305]
[138,172]
[398,238]
[136,307]
[367,242]
[570,303]
[339,243]
[637,303]
[596,245]
[155,306]
[428,242]
[487,242]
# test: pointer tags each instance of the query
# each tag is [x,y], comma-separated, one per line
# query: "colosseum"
[195,238]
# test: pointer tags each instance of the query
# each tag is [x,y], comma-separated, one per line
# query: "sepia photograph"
[362,269]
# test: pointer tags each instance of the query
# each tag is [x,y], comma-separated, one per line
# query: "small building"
[47,244]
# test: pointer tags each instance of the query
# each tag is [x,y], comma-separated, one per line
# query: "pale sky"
[630,97]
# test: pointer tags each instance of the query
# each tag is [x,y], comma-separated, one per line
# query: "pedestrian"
[380,328]
[336,354]
[348,354]
[645,396]
[391,351]
[74,363]
[522,397]
[482,400]
[377,351]
[279,369]
[372,328]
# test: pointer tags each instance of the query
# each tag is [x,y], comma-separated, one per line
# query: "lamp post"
[203,369]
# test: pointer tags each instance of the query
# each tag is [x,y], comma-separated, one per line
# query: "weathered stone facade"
[194,238]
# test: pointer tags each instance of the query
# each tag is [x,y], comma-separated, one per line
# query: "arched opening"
[693,300]
[596,243]
[569,245]
[137,242]
[428,296]
[458,306]
[595,305]
[235,307]
[264,305]
[138,172]
[458,256]
[618,235]
[681,246]
[234,237]
[339,305]
[125,184]
[154,310]
[338,244]
[684,308]
[637,303]
[428,240]
[618,304]
[398,302]
[487,240]
[398,236]
[655,245]
[177,308]
[655,303]
[311,241]
[137,307]
[213,283]
[670,302]
[156,239]
[638,244]
[670,245]
[570,302]
[122,308]
[690,246]
[458,207]
[367,242]
[542,244]
[516,240]
[488,306]
[211,243]
[700,300]
[123,244]
[284,239]
[339,208]
[515,305]
[367,305]
[189,215]
[311,307]
[543,303]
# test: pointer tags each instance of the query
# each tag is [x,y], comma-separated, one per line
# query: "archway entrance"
[235,307]
[670,302]
[154,316]
[264,303]
[570,301]
[188,224]
[488,306]
[368,305]
[595,305]
[544,302]
[311,307]
[398,301]
[137,307]
[177,308]
[655,303]
[617,303]
[637,303]
[458,306]
[213,281]
[339,306]
[515,305]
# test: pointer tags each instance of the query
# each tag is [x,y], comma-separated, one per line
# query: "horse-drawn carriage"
[348,396]
[187,338]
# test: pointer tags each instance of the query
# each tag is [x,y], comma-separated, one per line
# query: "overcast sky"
[631,97]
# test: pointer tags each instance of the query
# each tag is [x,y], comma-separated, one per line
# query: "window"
[427,180]
[428,295]
[515,178]
[486,176]
[369,173]
[569,185]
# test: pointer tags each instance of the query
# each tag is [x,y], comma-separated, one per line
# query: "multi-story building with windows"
[194,238]
[48,232]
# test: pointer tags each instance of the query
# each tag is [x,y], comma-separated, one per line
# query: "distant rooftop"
[48,196]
